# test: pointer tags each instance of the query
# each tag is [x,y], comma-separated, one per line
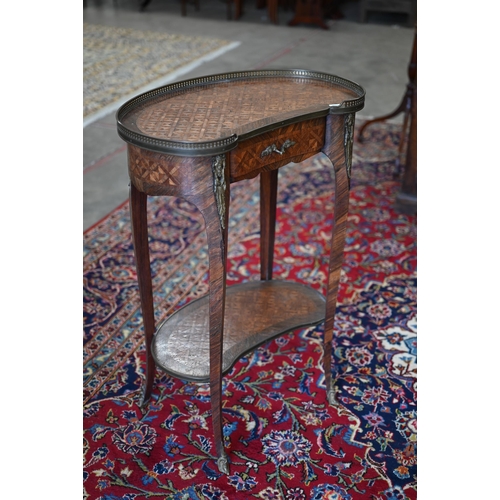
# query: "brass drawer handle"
[273,149]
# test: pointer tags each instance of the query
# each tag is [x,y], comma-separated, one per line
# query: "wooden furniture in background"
[272,9]
[192,139]
[238,6]
[308,12]
[408,7]
[406,199]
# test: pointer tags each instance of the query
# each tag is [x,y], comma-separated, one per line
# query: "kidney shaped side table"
[192,140]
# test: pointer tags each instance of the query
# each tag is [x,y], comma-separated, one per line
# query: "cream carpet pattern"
[119,63]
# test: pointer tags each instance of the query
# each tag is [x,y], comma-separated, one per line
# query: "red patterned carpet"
[282,438]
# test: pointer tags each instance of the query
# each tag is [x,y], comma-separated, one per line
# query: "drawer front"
[277,146]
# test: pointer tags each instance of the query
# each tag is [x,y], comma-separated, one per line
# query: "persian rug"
[119,63]
[284,441]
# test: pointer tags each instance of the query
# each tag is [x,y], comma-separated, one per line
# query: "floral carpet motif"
[119,62]
[284,441]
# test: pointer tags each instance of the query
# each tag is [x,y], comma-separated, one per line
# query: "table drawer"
[277,146]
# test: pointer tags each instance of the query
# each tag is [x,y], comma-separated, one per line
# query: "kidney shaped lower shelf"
[181,345]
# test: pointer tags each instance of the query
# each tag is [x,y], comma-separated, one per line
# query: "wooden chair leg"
[339,150]
[272,8]
[403,106]
[406,103]
[268,195]
[238,9]
[308,12]
[138,215]
[406,199]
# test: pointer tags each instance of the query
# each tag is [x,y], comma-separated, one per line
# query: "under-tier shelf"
[255,312]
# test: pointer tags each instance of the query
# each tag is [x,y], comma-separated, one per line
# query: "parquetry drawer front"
[278,146]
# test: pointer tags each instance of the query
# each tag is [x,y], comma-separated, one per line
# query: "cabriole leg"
[338,148]
[138,215]
[214,205]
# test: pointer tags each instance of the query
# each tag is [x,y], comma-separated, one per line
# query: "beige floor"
[375,55]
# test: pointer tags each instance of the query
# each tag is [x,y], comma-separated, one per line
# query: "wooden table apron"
[204,179]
